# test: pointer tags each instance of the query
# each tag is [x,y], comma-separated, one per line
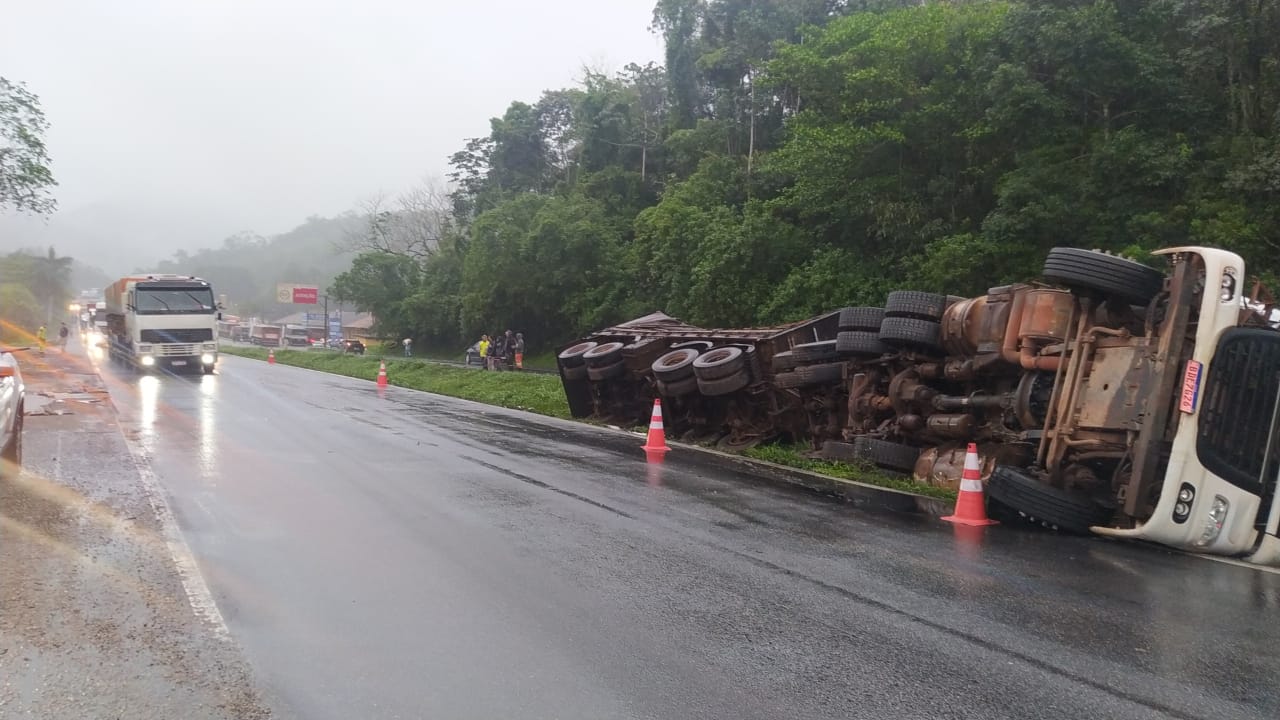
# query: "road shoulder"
[97,620]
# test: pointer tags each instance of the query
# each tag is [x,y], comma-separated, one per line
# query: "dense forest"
[793,156]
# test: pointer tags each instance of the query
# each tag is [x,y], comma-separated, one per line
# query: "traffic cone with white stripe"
[271,357]
[657,440]
[971,508]
[382,374]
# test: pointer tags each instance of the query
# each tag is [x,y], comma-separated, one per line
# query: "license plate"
[179,362]
[1190,387]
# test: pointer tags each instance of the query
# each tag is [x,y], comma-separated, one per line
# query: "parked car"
[472,356]
[12,393]
[353,346]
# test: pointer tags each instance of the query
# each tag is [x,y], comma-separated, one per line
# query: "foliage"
[25,178]
[795,157]
[37,288]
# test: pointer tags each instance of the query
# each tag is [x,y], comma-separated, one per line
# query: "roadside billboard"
[297,294]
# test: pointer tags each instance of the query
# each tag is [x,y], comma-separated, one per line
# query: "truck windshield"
[168,301]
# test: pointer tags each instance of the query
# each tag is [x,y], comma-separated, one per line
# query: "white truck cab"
[163,321]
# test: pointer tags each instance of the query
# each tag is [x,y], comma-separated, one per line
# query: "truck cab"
[163,321]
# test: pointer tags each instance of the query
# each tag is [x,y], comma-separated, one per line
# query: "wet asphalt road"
[411,556]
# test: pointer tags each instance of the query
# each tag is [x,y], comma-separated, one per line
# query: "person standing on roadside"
[41,338]
[63,332]
[484,352]
[508,350]
[497,351]
[519,351]
[408,347]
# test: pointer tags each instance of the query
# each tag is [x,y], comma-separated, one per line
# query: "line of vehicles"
[1109,397]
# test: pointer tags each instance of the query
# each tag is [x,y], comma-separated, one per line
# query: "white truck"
[166,321]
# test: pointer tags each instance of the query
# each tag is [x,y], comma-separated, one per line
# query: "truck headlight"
[1213,524]
[211,346]
[148,360]
[207,358]
[144,348]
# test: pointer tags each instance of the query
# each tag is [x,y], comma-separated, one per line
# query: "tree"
[25,178]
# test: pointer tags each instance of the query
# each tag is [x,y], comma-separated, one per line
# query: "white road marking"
[202,602]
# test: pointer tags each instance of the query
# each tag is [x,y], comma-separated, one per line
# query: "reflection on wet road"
[413,556]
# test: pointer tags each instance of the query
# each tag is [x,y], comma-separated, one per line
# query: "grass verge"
[794,457]
[541,394]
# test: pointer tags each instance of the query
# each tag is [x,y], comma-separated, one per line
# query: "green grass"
[541,394]
[793,457]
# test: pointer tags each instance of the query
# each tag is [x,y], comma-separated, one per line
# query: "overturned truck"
[1109,397]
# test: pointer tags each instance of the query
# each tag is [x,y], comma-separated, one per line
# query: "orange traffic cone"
[971,509]
[657,440]
[271,357]
[382,374]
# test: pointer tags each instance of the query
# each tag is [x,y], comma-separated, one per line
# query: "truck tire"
[574,372]
[787,380]
[603,355]
[783,361]
[1090,271]
[675,365]
[718,363]
[888,455]
[607,372]
[853,343]
[724,385]
[1044,504]
[814,352]
[678,387]
[911,333]
[820,374]
[861,318]
[572,356]
[842,451]
[914,304]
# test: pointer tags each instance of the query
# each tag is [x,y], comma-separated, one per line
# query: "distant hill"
[247,267]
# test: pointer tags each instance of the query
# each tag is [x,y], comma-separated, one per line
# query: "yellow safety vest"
[484,348]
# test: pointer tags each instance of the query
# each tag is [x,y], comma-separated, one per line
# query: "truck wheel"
[718,363]
[783,361]
[861,318]
[574,372]
[911,333]
[1090,271]
[820,374]
[914,304]
[860,342]
[724,385]
[572,357]
[888,455]
[1043,504]
[607,372]
[603,355]
[843,451]
[675,365]
[787,380]
[814,352]
[678,387]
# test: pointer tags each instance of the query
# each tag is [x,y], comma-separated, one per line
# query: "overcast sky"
[254,114]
